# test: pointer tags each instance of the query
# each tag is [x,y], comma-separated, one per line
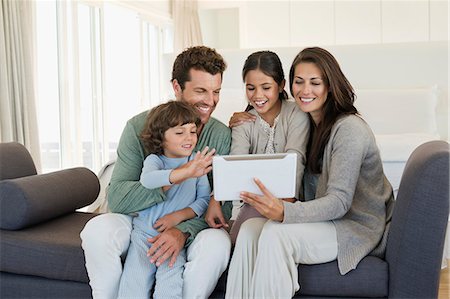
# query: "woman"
[348,199]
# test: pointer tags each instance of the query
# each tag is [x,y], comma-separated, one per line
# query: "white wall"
[287,23]
[220,27]
[296,24]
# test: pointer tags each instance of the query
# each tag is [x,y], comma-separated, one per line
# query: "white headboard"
[390,80]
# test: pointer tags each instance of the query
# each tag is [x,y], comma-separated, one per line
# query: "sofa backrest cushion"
[15,161]
[33,199]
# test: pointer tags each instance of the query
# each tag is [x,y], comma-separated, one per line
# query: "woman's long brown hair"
[339,102]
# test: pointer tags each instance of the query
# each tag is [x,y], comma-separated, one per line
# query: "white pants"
[267,254]
[105,239]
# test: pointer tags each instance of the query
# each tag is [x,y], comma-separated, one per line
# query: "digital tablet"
[235,173]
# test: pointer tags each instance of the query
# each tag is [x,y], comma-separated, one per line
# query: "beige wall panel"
[358,22]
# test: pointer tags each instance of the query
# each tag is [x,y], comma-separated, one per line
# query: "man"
[196,79]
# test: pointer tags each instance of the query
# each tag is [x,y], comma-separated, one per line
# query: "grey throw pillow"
[33,199]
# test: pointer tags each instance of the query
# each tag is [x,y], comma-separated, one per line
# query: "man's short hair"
[199,58]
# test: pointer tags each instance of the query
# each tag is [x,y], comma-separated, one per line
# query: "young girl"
[169,136]
[348,198]
[279,125]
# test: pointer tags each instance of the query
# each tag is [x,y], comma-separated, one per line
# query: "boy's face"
[202,92]
[180,141]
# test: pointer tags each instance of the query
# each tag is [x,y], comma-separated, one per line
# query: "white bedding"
[400,110]
[398,147]
[393,172]
[401,119]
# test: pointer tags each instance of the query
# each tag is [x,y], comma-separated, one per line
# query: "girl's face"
[180,141]
[263,94]
[309,89]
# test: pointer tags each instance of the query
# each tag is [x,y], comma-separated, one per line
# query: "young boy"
[169,137]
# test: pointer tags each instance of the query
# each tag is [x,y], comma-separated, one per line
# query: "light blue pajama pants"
[138,276]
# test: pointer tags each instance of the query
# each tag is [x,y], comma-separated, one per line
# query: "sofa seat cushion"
[18,286]
[369,279]
[51,249]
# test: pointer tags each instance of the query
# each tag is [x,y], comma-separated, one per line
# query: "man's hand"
[238,118]
[166,245]
[214,216]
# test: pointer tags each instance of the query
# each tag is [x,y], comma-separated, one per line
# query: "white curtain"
[187,30]
[18,119]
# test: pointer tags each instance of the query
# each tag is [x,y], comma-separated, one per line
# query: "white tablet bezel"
[235,173]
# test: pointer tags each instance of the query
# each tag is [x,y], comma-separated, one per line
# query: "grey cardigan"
[291,136]
[352,191]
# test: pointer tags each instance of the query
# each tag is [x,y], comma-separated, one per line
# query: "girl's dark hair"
[199,58]
[339,102]
[269,63]
[163,117]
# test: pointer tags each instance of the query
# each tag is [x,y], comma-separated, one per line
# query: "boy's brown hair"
[163,117]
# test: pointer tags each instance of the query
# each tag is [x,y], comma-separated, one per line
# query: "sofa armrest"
[15,161]
[33,199]
[417,233]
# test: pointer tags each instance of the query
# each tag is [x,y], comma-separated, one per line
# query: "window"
[47,85]
[97,67]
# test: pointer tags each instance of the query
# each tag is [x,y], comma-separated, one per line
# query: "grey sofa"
[41,257]
[415,244]
[40,246]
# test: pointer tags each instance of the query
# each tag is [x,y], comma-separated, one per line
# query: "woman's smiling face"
[309,89]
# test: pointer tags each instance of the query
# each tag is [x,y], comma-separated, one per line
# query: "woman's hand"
[239,118]
[214,216]
[268,205]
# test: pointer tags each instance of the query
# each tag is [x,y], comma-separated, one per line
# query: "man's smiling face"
[201,91]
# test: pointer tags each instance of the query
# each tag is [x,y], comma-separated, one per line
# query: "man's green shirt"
[126,194]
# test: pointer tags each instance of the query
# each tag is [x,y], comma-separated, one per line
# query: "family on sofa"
[341,214]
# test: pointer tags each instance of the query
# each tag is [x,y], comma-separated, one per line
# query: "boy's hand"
[200,165]
[167,221]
